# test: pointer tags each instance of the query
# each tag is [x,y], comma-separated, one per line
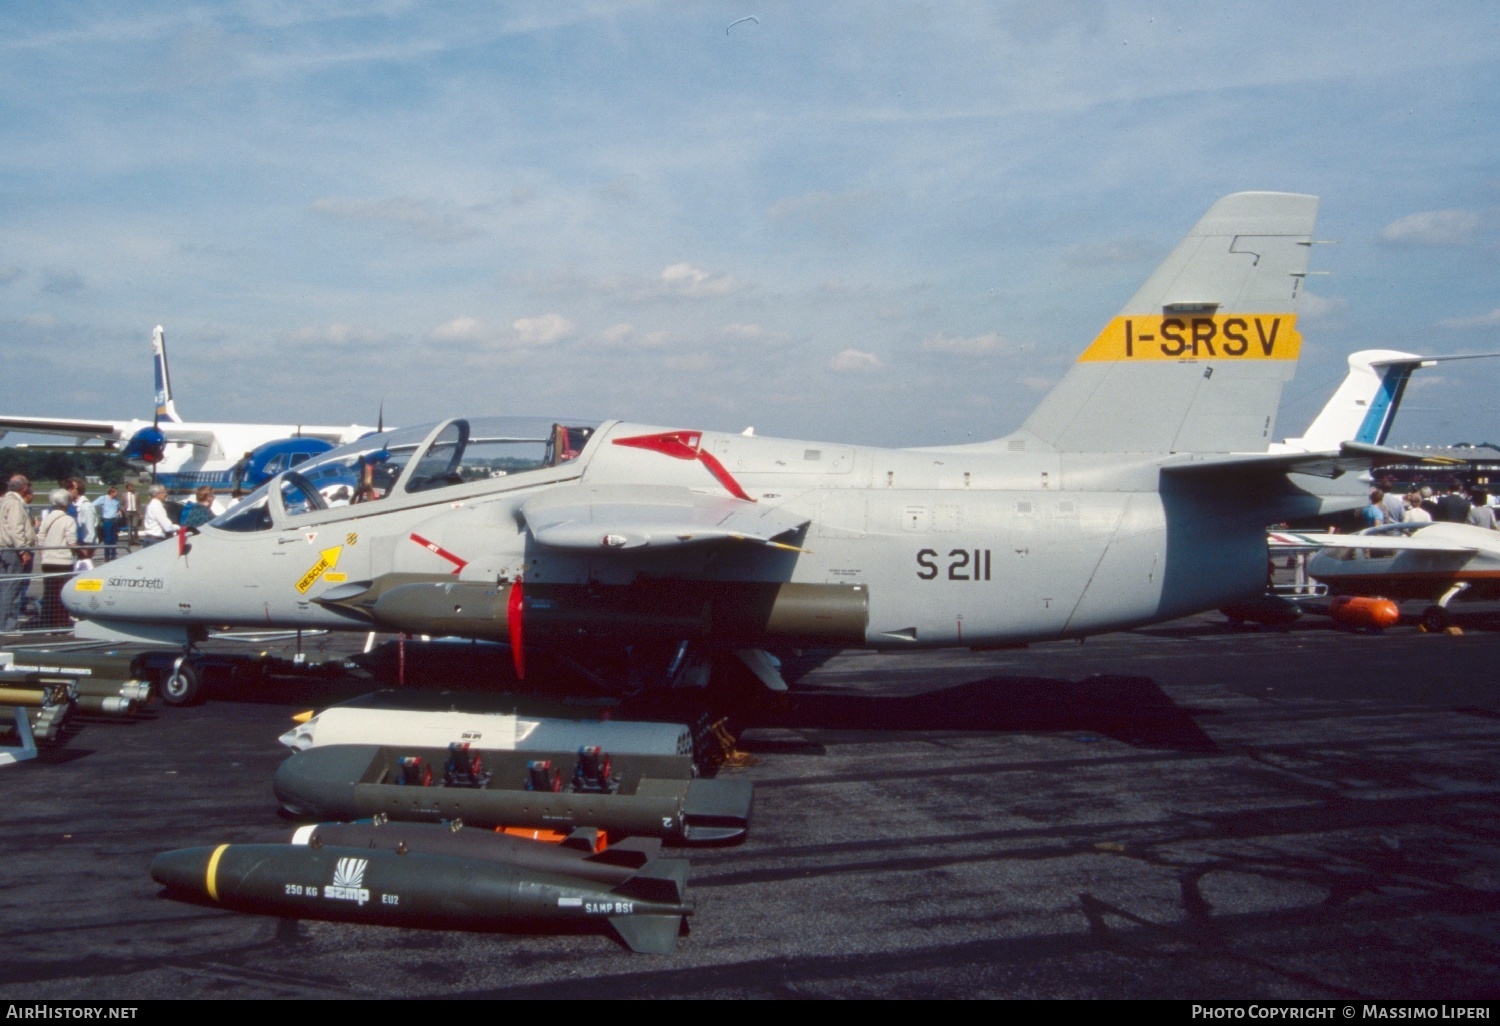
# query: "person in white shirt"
[131,512]
[86,515]
[1415,514]
[157,525]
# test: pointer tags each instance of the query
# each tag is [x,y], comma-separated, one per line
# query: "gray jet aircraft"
[1138,491]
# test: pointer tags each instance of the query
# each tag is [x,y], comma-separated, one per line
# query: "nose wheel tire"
[182,684]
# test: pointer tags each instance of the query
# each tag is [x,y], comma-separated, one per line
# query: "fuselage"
[973,546]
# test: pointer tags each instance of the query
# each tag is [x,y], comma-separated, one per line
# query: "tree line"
[56,464]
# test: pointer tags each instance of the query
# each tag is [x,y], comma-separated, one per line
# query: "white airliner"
[186,455]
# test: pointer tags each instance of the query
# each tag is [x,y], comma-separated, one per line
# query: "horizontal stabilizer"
[1382,455]
[642,516]
[1351,457]
[648,935]
[1413,542]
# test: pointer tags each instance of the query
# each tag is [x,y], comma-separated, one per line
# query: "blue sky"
[888,223]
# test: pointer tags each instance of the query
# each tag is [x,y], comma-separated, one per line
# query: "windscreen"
[466,450]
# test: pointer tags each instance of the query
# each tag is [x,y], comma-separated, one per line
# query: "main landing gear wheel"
[182,684]
[1436,619]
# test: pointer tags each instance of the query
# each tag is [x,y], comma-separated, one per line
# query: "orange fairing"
[550,836]
[1357,611]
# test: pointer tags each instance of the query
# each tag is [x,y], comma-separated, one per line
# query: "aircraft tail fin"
[1364,405]
[166,409]
[1196,361]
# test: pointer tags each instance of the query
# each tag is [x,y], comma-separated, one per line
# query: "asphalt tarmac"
[1181,811]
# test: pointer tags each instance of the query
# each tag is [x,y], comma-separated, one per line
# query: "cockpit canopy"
[405,461]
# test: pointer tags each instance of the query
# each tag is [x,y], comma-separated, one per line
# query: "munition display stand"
[41,702]
[653,795]
[27,748]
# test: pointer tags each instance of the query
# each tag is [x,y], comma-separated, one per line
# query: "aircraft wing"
[333,435]
[640,516]
[1378,541]
[112,430]
[1351,457]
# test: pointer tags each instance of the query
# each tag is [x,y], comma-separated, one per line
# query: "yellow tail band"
[1177,337]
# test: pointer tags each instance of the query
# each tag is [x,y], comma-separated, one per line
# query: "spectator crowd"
[67,535]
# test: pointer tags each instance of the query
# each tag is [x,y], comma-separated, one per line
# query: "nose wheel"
[181,686]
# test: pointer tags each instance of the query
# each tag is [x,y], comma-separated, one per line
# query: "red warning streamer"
[438,550]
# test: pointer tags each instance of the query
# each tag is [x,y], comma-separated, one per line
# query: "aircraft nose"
[134,582]
[76,593]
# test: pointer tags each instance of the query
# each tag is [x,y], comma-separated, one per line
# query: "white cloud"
[1315,306]
[1489,320]
[686,280]
[525,335]
[626,336]
[1434,228]
[425,220]
[973,345]
[543,330]
[463,329]
[617,334]
[852,361]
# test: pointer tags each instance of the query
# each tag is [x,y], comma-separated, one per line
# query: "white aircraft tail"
[1196,361]
[1365,404]
[166,410]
